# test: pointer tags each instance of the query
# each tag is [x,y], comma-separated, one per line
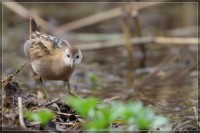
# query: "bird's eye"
[77,57]
[68,55]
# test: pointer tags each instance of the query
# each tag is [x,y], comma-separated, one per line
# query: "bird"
[51,58]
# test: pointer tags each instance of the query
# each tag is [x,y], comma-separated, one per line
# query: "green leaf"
[118,110]
[43,116]
[96,124]
[143,124]
[83,106]
[100,116]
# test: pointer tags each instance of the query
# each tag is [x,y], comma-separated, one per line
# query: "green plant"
[99,116]
[42,116]
[93,80]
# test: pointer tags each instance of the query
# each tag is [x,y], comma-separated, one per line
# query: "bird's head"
[72,56]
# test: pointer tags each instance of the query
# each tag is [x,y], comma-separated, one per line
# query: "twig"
[127,35]
[21,119]
[110,99]
[126,29]
[89,20]
[105,15]
[54,101]
[66,114]
[17,8]
[141,41]
[176,40]
[139,33]
[25,13]
[9,78]
[35,123]
[115,43]
[67,124]
[195,113]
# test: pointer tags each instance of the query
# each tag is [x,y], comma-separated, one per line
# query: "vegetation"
[144,53]
[100,115]
[42,116]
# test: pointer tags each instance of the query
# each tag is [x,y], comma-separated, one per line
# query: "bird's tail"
[33,25]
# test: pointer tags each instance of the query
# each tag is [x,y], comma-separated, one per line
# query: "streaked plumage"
[50,57]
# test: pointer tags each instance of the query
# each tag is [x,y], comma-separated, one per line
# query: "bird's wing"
[35,49]
[40,45]
[50,41]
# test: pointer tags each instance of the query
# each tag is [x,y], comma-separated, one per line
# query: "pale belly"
[51,71]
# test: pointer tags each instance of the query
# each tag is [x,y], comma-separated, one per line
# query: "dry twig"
[195,113]
[127,35]
[67,124]
[52,102]
[141,41]
[9,78]
[107,100]
[105,15]
[21,118]
[66,114]
[25,13]
[139,34]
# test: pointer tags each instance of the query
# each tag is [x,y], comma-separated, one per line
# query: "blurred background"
[131,51]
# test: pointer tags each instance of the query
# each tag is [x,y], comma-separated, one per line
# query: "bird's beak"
[72,63]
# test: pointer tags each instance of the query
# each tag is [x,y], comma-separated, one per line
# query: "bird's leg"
[41,82]
[69,90]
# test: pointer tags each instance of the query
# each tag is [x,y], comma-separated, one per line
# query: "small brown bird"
[50,57]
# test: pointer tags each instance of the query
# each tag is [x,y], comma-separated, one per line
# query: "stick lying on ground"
[21,118]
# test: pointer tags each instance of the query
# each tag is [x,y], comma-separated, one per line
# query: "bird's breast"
[52,70]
